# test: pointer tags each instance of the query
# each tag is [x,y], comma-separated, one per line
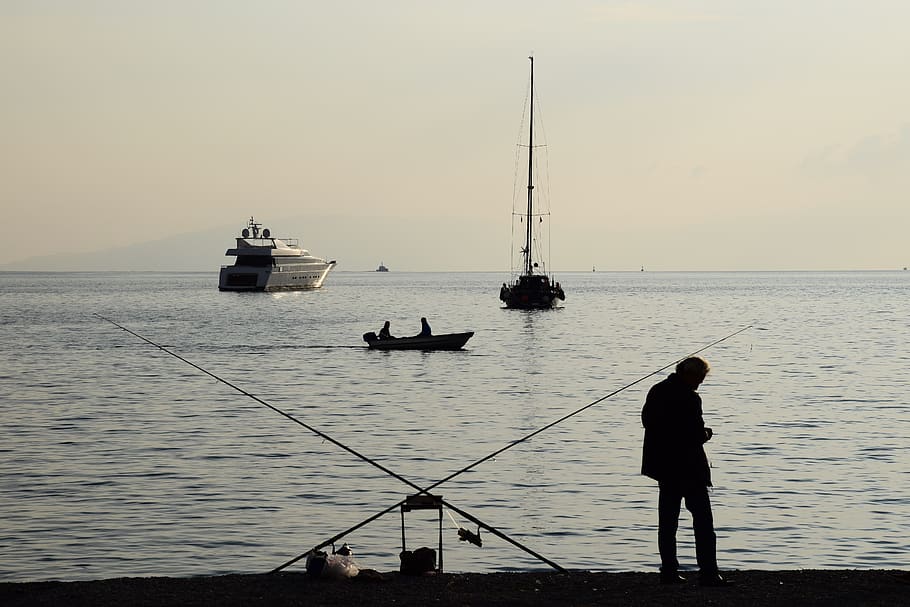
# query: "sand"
[751,588]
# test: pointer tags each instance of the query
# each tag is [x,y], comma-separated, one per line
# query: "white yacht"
[265,263]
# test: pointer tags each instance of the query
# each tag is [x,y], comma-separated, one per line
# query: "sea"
[233,432]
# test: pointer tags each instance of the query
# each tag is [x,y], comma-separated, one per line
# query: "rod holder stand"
[423,501]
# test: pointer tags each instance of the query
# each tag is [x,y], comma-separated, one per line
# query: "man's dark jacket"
[673,449]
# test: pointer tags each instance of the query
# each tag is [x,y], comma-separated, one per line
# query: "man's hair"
[694,365]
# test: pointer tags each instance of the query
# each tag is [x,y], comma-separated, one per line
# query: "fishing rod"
[315,431]
[514,443]
[577,411]
[339,444]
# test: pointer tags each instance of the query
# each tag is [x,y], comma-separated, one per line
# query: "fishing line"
[509,446]
[452,518]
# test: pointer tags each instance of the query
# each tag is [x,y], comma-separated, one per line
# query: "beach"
[371,588]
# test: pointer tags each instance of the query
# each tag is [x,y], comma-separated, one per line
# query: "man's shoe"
[671,577]
[713,579]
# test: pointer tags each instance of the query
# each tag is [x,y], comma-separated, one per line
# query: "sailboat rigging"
[532,289]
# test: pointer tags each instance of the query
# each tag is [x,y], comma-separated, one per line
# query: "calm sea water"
[120,460]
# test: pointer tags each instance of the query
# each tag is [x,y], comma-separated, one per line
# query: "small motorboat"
[449,341]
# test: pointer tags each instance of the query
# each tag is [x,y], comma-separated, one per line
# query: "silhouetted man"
[674,456]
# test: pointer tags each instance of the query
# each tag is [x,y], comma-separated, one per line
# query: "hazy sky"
[682,135]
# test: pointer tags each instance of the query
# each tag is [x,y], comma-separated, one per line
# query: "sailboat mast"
[528,263]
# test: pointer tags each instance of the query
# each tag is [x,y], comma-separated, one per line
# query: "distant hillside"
[183,253]
[418,244]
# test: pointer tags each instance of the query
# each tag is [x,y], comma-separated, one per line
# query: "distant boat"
[448,341]
[265,263]
[532,289]
[382,268]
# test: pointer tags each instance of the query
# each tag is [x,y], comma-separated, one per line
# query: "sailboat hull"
[531,292]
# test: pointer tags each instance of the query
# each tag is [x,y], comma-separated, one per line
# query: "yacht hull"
[296,278]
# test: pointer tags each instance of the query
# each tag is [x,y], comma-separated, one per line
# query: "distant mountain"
[358,244]
[181,253]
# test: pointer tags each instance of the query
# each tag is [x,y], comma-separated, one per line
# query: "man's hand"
[708,434]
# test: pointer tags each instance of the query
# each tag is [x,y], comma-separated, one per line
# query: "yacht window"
[256,261]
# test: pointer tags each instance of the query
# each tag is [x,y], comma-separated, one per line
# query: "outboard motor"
[368,337]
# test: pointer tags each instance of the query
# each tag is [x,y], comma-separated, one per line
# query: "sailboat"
[532,288]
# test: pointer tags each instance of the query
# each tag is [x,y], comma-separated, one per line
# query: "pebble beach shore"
[371,588]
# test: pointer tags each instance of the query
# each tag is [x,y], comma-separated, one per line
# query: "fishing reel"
[467,536]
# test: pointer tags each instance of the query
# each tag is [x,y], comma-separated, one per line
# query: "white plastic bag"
[339,566]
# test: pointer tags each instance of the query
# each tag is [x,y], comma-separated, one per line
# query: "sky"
[681,134]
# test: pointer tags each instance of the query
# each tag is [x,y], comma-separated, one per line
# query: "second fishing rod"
[506,447]
[342,446]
